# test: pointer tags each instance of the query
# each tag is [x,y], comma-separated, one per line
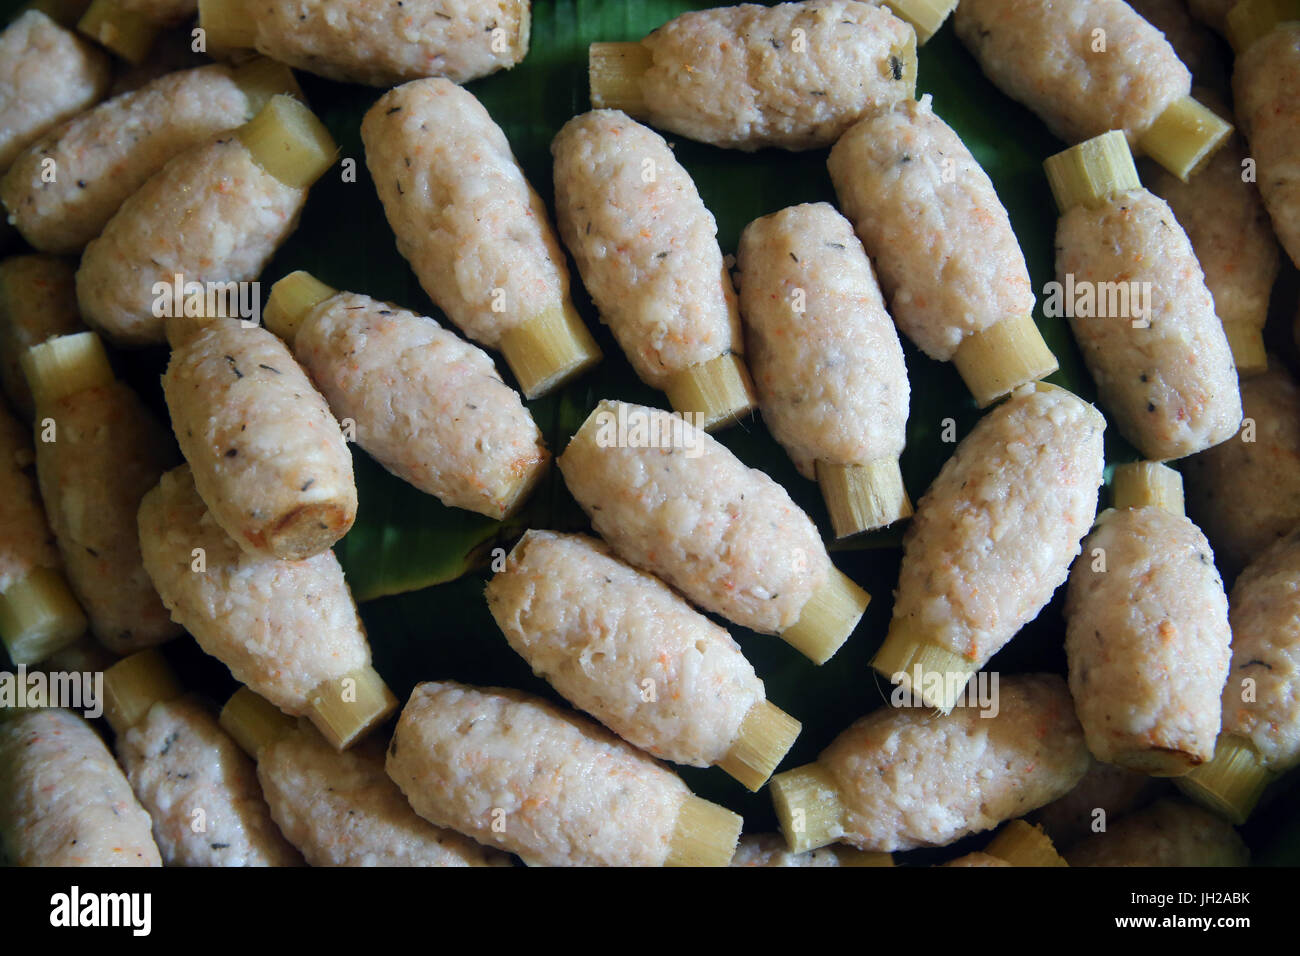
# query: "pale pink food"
[824,353]
[931,221]
[1168,833]
[1147,637]
[38,299]
[64,800]
[1112,790]
[200,790]
[793,75]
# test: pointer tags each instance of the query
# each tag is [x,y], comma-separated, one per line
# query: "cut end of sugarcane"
[549,350]
[287,140]
[262,78]
[1249,20]
[1247,344]
[705,835]
[847,856]
[862,497]
[1148,484]
[934,675]
[615,70]
[828,618]
[1155,761]
[347,708]
[39,617]
[65,365]
[766,735]
[291,299]
[1231,783]
[809,807]
[1092,172]
[713,394]
[1184,137]
[1024,844]
[133,685]
[925,16]
[128,34]
[254,722]
[522,489]
[227,24]
[996,361]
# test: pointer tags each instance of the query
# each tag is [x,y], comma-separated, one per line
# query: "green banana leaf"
[419,568]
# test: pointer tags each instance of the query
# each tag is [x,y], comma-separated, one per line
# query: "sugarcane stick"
[133,685]
[1024,844]
[65,365]
[829,617]
[126,33]
[861,497]
[346,708]
[998,360]
[1184,137]
[717,392]
[766,735]
[287,140]
[614,71]
[549,349]
[291,299]
[1232,782]
[1092,172]
[254,722]
[39,616]
[1148,484]
[227,24]
[809,807]
[1251,19]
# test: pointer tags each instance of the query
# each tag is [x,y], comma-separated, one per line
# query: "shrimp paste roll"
[1138,305]
[1147,639]
[1105,794]
[213,215]
[104,155]
[267,454]
[514,771]
[671,500]
[38,300]
[1265,88]
[1261,699]
[770,850]
[992,539]
[1230,232]
[63,799]
[791,75]
[38,614]
[1089,66]
[628,650]
[288,629]
[380,44]
[340,809]
[98,450]
[474,231]
[648,252]
[1245,492]
[47,75]
[429,406]
[197,785]
[1167,833]
[902,778]
[827,361]
[949,263]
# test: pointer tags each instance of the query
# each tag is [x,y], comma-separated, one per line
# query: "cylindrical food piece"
[1147,641]
[38,299]
[1261,699]
[1245,492]
[381,44]
[1168,833]
[209,220]
[474,231]
[673,501]
[98,450]
[949,262]
[516,772]
[288,629]
[624,647]
[1105,794]
[64,188]
[1089,66]
[47,74]
[340,809]
[268,456]
[64,800]
[770,850]
[901,778]
[124,32]
[428,406]
[1266,88]
[827,362]
[1130,283]
[38,614]
[1230,233]
[1024,844]
[992,539]
[793,75]
[195,782]
[648,252]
